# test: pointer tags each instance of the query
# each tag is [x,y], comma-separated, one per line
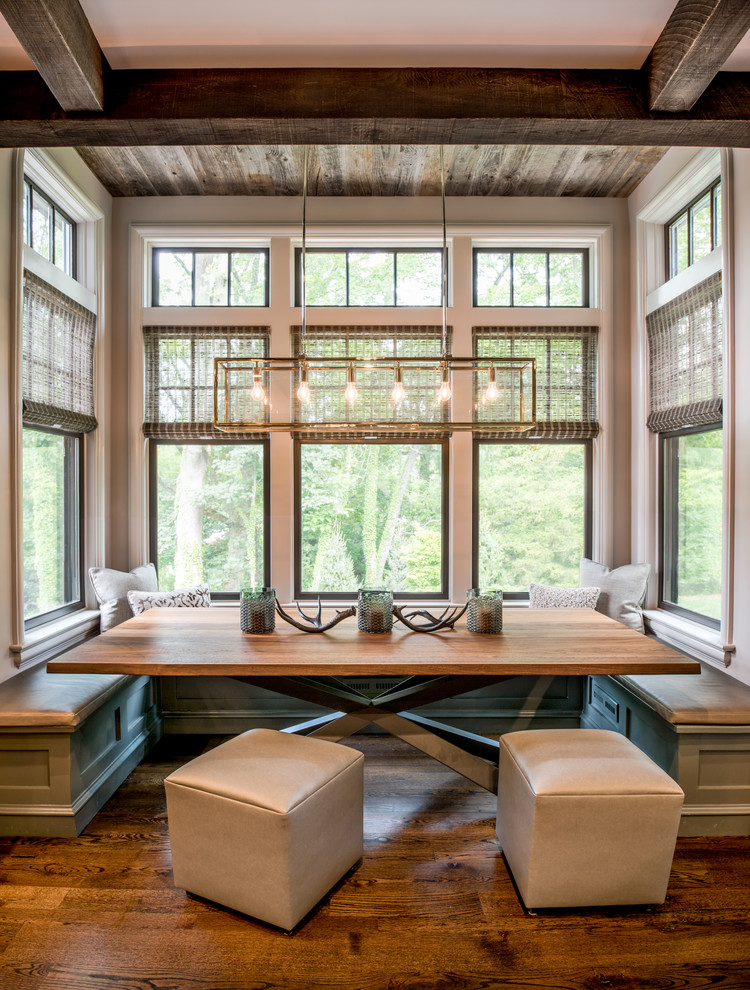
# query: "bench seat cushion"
[708,698]
[36,698]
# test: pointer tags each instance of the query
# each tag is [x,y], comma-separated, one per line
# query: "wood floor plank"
[431,906]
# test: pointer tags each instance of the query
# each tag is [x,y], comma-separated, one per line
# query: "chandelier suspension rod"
[444,279]
[303,279]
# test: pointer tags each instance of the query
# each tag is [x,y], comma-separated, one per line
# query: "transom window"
[209,277]
[695,231]
[370,277]
[531,277]
[48,230]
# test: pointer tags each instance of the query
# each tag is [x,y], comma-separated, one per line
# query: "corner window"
[52,507]
[505,277]
[695,231]
[692,506]
[48,230]
[532,513]
[209,277]
[370,277]
[209,512]
[371,515]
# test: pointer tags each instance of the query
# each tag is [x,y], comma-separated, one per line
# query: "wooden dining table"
[431,667]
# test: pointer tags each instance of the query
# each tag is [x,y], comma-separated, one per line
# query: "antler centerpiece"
[315,624]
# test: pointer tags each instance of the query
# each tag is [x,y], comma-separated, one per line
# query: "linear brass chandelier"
[325,391]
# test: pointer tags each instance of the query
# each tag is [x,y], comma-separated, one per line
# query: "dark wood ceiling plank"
[58,38]
[698,38]
[375,106]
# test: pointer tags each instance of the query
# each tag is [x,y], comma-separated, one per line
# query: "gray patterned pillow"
[198,597]
[111,589]
[544,596]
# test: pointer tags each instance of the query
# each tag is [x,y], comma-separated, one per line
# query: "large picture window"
[52,503]
[209,515]
[532,513]
[692,505]
[371,515]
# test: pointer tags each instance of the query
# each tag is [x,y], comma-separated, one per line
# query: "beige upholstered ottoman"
[584,818]
[266,823]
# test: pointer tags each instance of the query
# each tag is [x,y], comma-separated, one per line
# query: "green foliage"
[375,503]
[531,514]
[210,514]
[43,522]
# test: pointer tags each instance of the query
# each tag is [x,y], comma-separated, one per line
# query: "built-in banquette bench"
[67,742]
[697,728]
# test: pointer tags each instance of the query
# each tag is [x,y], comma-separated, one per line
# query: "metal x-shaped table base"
[471,755]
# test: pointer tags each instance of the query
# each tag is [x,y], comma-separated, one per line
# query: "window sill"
[48,641]
[693,638]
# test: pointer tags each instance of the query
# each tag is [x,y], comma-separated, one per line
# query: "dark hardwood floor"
[431,906]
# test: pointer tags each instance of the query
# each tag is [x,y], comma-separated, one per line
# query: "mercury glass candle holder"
[485,611]
[258,610]
[374,610]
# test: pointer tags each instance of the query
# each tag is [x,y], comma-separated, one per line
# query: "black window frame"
[30,192]
[153,521]
[156,251]
[585,287]
[588,507]
[443,594]
[363,250]
[73,515]
[668,488]
[685,211]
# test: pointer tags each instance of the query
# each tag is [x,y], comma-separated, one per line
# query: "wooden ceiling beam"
[698,38]
[58,38]
[374,106]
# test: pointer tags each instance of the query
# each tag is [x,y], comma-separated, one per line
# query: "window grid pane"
[198,277]
[530,278]
[531,503]
[371,515]
[209,525]
[370,277]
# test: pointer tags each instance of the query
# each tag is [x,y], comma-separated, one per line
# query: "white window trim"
[653,290]
[88,289]
[598,238]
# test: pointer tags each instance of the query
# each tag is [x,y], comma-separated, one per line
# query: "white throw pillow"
[198,597]
[545,596]
[623,590]
[111,589]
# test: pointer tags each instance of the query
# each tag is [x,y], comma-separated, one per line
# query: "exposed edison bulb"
[398,392]
[444,392]
[258,392]
[303,389]
[492,391]
[350,392]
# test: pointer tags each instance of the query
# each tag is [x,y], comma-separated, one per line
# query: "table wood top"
[208,641]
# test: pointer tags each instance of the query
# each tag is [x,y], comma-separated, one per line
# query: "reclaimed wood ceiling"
[371,170]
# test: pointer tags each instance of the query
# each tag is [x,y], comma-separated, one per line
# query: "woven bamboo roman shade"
[685,342]
[373,404]
[57,359]
[179,399]
[566,378]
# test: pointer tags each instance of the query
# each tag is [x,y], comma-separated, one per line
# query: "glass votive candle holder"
[257,610]
[374,610]
[485,611]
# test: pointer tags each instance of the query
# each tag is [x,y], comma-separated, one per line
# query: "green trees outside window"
[371,515]
[530,278]
[370,277]
[51,523]
[531,514]
[208,515]
[692,508]
[695,231]
[48,230]
[209,277]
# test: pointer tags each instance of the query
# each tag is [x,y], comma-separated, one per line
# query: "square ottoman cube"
[585,818]
[266,823]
